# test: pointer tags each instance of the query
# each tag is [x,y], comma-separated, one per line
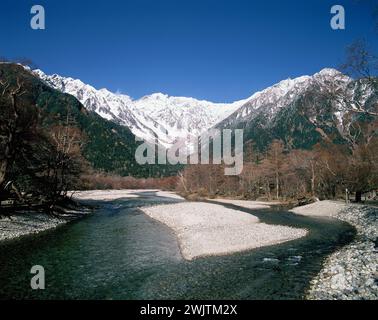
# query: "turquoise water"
[120,253]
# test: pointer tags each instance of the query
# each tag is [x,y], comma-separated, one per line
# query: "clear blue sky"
[210,49]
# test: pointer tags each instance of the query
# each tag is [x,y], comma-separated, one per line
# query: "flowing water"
[120,253]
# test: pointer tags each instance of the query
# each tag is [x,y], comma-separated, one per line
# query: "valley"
[303,139]
[175,153]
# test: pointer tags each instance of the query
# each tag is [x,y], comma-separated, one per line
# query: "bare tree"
[9,125]
[306,165]
[275,164]
[362,65]
[66,162]
[360,61]
[182,182]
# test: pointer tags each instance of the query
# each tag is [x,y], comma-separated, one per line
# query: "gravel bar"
[205,229]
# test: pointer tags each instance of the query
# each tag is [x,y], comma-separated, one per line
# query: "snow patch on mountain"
[156,115]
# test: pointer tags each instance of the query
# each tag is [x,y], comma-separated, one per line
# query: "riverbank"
[27,222]
[206,229]
[24,223]
[350,273]
[110,195]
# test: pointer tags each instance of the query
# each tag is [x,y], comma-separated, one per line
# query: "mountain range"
[156,115]
[300,111]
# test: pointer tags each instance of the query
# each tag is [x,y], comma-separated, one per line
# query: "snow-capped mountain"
[307,110]
[155,115]
[272,99]
[288,106]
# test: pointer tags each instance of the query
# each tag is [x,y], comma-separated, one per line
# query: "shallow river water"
[120,253]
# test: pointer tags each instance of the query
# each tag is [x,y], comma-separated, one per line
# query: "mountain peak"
[329,72]
[157,96]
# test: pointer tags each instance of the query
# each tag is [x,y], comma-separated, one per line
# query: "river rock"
[351,272]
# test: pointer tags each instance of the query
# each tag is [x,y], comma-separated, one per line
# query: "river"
[120,253]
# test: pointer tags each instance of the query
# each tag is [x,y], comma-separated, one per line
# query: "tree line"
[324,172]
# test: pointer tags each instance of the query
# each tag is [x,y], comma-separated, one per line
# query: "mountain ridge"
[312,110]
[156,115]
[278,108]
[166,117]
